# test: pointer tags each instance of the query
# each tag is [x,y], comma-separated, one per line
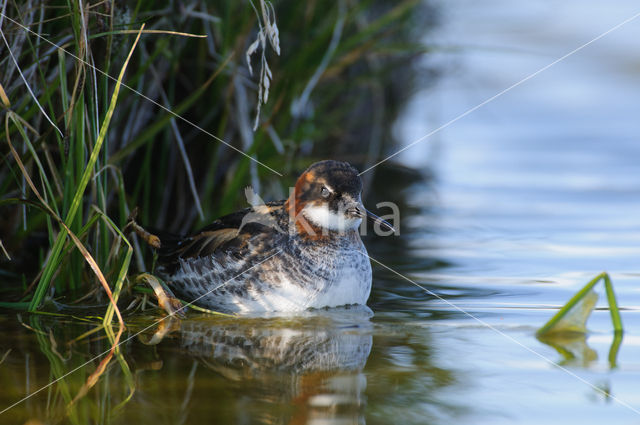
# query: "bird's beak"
[384,224]
[360,211]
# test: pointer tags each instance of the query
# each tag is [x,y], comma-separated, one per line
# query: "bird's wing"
[229,234]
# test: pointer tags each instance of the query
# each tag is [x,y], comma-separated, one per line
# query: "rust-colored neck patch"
[302,196]
[301,192]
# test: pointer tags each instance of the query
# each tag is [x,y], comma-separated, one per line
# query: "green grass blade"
[124,268]
[613,306]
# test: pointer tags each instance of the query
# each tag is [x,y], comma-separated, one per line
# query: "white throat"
[327,219]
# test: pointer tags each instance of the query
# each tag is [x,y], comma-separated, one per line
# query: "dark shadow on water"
[405,254]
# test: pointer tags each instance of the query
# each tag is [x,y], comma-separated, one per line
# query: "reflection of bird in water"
[250,347]
[309,367]
[290,255]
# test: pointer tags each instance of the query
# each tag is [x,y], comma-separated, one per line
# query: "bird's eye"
[325,192]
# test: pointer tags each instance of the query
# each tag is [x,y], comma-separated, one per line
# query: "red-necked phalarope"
[284,256]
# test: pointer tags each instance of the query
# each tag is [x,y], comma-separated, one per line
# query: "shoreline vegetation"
[85,142]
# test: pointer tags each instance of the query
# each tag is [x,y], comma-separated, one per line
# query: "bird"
[303,252]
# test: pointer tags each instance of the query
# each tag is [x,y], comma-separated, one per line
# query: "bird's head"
[327,198]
